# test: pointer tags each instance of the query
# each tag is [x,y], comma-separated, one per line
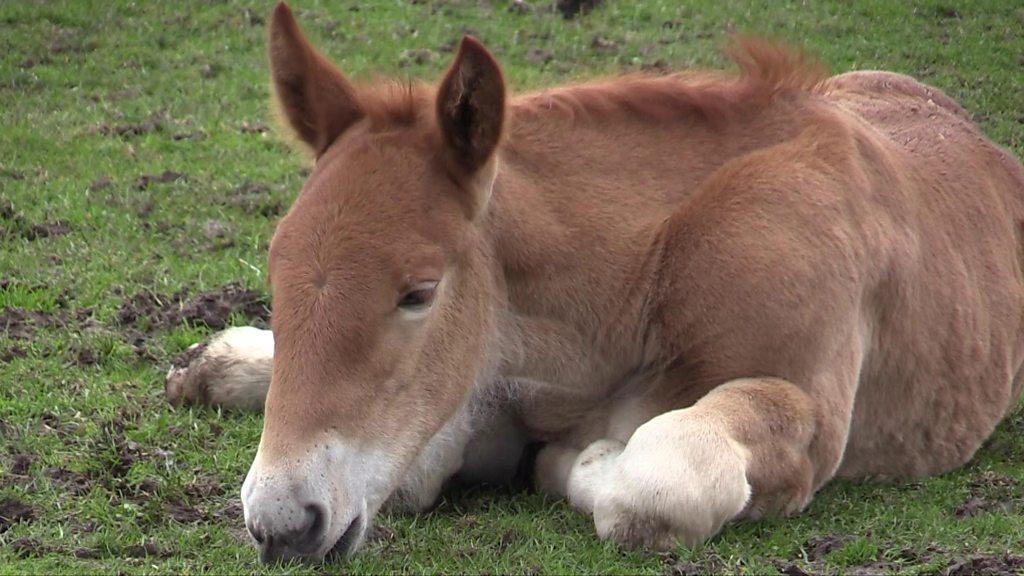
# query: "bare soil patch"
[987,565]
[990,492]
[145,180]
[820,546]
[255,198]
[13,511]
[20,324]
[14,225]
[212,308]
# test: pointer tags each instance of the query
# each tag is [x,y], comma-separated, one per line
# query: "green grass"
[118,481]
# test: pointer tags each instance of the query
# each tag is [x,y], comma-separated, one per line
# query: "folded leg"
[231,370]
[749,447]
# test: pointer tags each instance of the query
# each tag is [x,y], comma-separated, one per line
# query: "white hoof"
[551,469]
[590,472]
[679,479]
[231,370]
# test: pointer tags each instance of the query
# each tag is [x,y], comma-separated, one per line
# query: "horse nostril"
[313,533]
[303,538]
[268,553]
[255,532]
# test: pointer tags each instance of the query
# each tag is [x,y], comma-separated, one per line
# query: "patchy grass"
[138,172]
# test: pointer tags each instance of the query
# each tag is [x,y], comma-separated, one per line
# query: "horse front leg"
[230,370]
[750,447]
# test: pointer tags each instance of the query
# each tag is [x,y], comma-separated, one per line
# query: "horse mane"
[766,71]
[392,103]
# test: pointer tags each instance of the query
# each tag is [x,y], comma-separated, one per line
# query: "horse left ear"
[315,98]
[471,107]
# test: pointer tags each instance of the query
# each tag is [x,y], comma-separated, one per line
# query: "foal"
[706,294]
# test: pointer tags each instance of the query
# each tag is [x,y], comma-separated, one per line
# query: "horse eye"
[418,297]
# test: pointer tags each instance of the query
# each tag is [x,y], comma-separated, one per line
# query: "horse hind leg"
[230,370]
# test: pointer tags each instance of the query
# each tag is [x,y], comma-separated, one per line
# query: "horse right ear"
[471,106]
[317,100]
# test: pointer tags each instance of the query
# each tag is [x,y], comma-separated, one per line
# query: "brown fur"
[845,252]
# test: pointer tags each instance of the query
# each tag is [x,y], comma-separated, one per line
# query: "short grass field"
[141,175]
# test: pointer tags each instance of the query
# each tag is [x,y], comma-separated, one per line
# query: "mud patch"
[573,8]
[211,308]
[72,483]
[20,464]
[976,505]
[139,344]
[820,546]
[20,324]
[132,129]
[183,513]
[201,502]
[14,511]
[231,513]
[987,565]
[86,357]
[29,547]
[990,492]
[143,550]
[99,184]
[14,225]
[11,353]
[255,198]
[205,488]
[167,176]
[87,553]
[157,121]
[47,229]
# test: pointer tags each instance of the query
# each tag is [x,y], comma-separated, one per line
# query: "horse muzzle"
[303,508]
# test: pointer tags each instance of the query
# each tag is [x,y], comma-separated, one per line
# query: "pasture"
[141,174]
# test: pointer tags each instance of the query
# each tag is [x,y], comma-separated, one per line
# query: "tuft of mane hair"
[393,103]
[767,70]
[772,67]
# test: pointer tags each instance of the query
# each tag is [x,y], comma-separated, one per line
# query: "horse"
[704,294]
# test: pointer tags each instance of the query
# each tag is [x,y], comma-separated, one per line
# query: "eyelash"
[419,296]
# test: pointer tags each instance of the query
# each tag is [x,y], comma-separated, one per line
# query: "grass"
[96,95]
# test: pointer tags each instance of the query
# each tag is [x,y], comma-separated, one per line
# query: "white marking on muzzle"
[303,504]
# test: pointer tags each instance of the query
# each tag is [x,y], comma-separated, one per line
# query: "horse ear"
[314,96]
[471,106]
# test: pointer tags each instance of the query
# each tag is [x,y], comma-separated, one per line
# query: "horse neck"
[575,222]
